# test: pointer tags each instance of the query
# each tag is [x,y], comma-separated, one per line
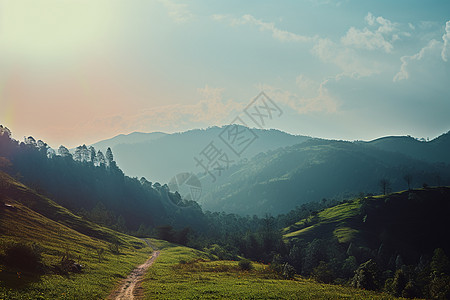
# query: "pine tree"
[109,156]
[63,151]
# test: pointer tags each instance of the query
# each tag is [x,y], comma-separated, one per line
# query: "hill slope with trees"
[436,150]
[276,181]
[396,243]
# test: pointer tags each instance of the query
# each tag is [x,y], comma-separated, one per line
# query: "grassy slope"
[201,278]
[414,221]
[336,221]
[56,236]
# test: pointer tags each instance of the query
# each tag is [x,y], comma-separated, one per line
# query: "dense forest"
[93,186]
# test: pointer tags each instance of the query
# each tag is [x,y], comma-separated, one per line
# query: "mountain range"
[280,171]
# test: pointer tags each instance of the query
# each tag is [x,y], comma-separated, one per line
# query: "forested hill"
[436,150]
[91,184]
[277,181]
[396,242]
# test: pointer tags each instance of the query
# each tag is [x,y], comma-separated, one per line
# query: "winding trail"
[131,286]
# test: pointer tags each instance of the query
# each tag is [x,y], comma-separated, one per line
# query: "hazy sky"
[74,72]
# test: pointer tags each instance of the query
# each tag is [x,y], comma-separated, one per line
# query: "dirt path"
[131,286]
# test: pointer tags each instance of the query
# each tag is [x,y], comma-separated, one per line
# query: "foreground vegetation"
[185,273]
[38,255]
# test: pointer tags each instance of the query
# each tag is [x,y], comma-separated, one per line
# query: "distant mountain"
[436,150]
[277,181]
[132,138]
[159,157]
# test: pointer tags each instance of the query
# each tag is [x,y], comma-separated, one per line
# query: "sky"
[79,71]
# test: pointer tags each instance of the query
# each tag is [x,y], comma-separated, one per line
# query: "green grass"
[335,220]
[184,273]
[56,238]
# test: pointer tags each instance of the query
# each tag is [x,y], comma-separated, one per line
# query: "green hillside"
[399,241]
[36,222]
[31,221]
[278,181]
[182,272]
[338,222]
[411,222]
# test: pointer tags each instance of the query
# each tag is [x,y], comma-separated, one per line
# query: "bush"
[23,256]
[288,271]
[245,264]
[322,273]
[114,248]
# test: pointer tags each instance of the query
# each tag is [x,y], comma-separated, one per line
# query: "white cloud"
[314,97]
[279,34]
[346,58]
[179,12]
[211,108]
[446,38]
[406,60]
[430,50]
[372,39]
[306,84]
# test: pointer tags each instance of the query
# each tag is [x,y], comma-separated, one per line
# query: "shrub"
[288,271]
[322,273]
[245,264]
[114,248]
[23,256]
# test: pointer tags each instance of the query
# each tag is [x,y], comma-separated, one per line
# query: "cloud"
[372,39]
[279,34]
[430,50]
[209,109]
[177,11]
[306,84]
[313,96]
[446,47]
[406,60]
[347,59]
[379,34]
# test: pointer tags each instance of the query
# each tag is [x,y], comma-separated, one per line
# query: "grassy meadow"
[104,266]
[185,273]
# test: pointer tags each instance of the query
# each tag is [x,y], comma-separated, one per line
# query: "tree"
[408,179]
[323,273]
[183,236]
[77,153]
[120,225]
[30,141]
[64,152]
[92,154]
[165,233]
[109,156]
[42,146]
[5,131]
[50,153]
[440,263]
[385,185]
[366,276]
[99,159]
